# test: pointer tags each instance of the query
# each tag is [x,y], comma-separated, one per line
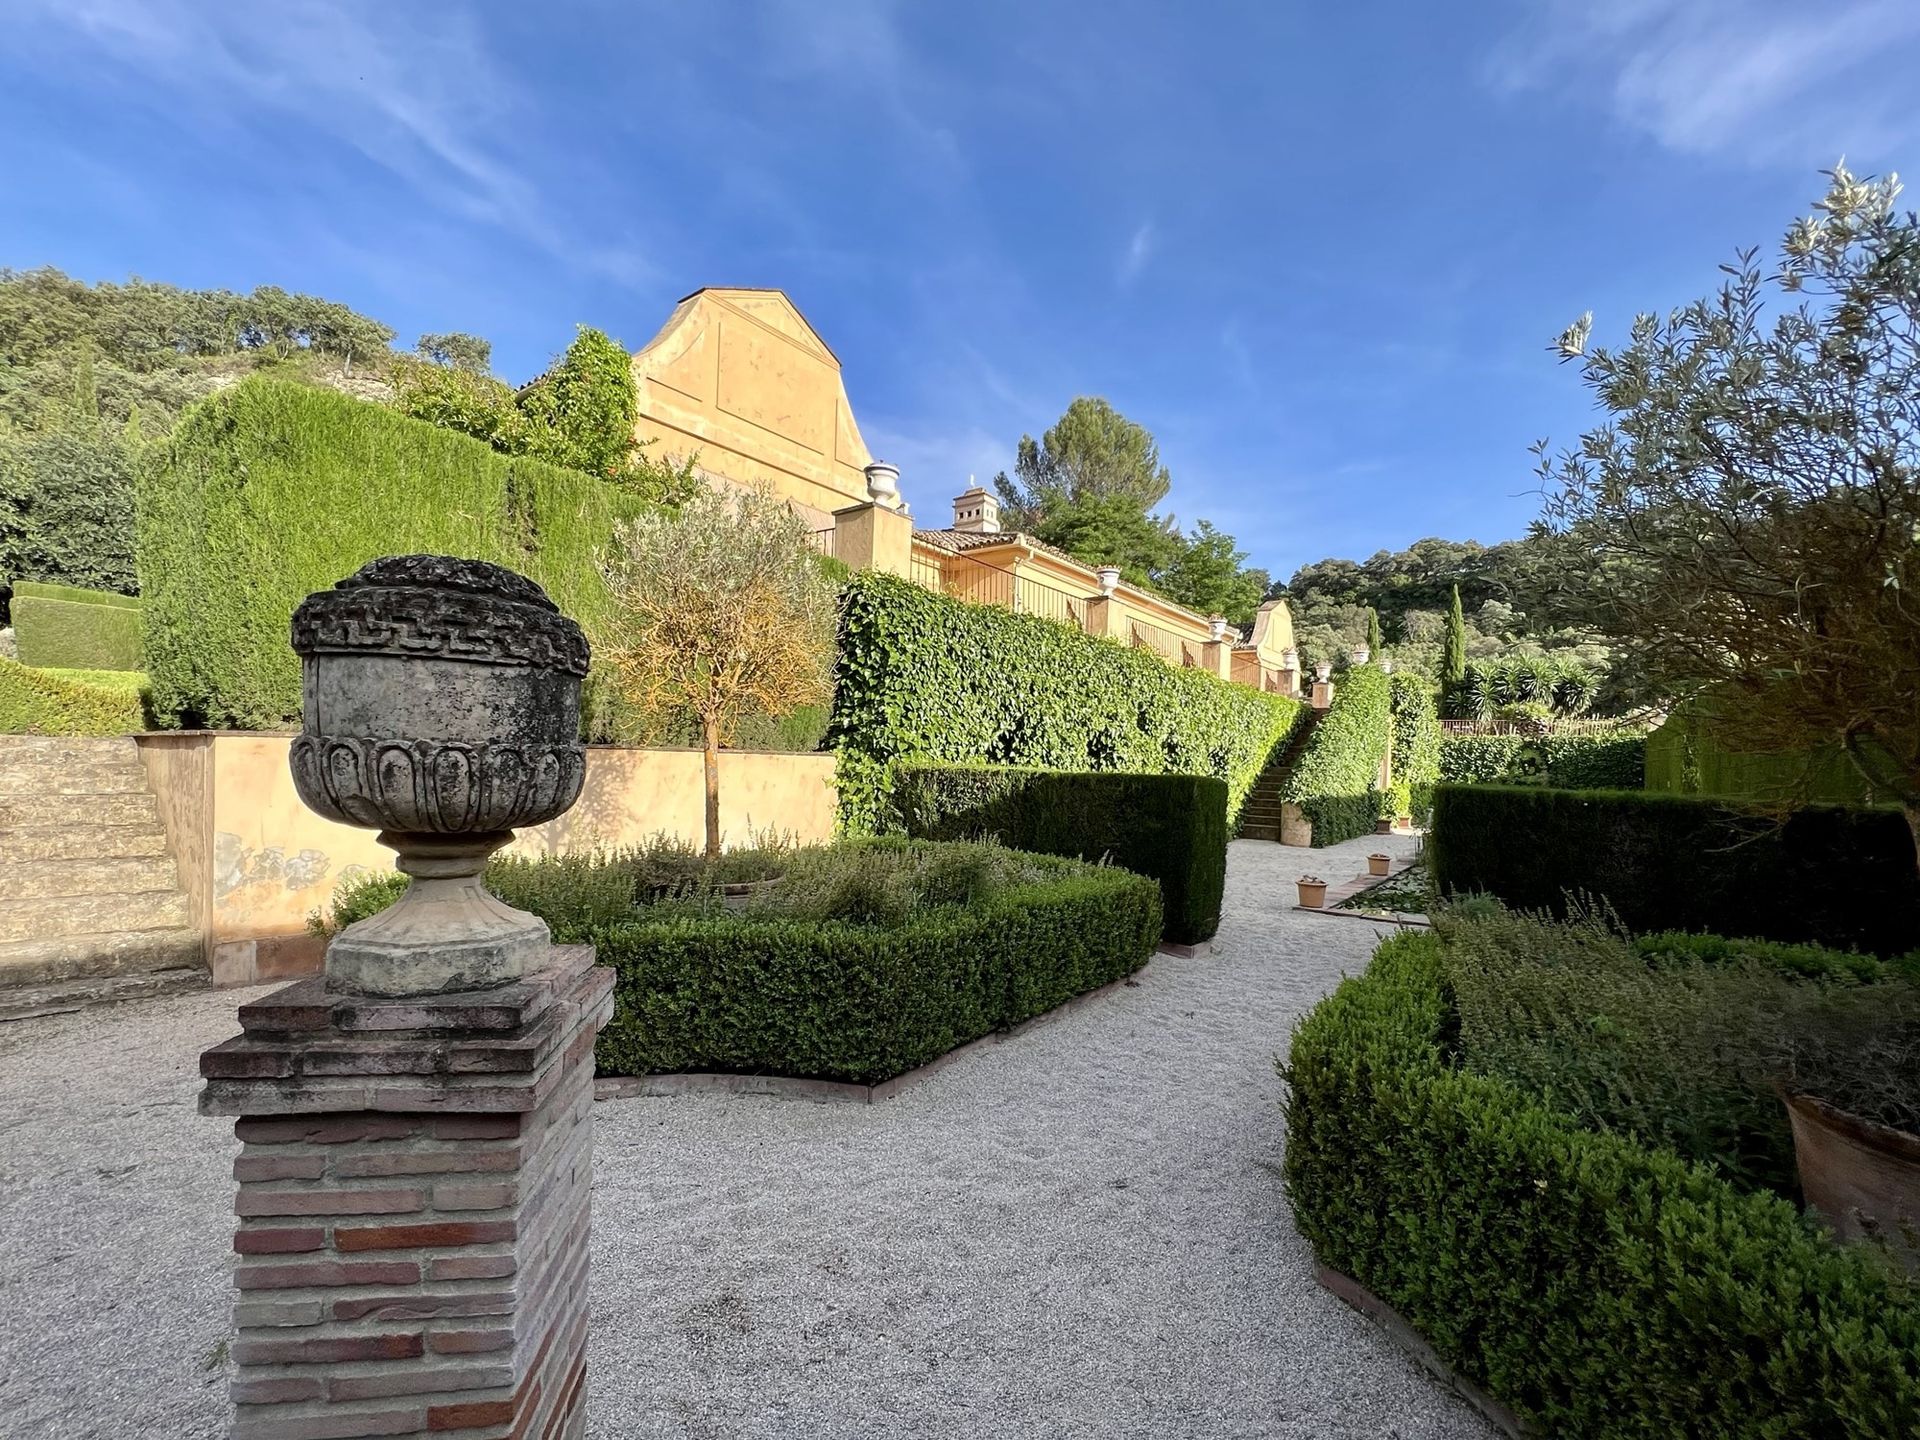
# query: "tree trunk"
[1912,811]
[710,732]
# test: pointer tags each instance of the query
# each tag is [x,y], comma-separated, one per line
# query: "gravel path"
[1077,1233]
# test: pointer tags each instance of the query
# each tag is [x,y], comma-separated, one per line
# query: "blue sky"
[1318,250]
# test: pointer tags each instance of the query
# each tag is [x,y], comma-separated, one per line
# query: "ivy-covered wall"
[1334,782]
[923,677]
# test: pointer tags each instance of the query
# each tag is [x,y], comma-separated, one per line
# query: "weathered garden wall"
[256,862]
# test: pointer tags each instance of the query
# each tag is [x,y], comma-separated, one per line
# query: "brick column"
[414,1183]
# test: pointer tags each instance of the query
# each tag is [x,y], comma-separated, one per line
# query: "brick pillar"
[414,1182]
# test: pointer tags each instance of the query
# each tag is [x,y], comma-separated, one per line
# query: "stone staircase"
[1260,816]
[91,907]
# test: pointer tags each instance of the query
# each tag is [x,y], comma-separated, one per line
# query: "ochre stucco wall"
[262,862]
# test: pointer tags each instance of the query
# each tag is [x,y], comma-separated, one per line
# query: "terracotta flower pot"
[1863,1177]
[1383,827]
[1313,893]
[1377,864]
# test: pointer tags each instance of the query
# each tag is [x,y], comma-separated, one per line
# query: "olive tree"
[1752,501]
[722,606]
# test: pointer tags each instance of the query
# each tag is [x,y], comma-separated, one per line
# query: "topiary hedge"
[1335,779]
[1600,1288]
[1832,875]
[1614,761]
[1172,828]
[63,627]
[925,678]
[269,491]
[860,1003]
[70,702]
[1416,745]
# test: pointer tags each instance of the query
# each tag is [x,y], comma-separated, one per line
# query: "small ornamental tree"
[1753,503]
[722,606]
[1453,654]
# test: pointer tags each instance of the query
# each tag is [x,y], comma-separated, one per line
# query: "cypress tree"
[1374,643]
[1453,653]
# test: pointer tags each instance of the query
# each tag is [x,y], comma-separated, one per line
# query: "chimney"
[977,511]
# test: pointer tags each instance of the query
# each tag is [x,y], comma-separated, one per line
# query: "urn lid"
[440,607]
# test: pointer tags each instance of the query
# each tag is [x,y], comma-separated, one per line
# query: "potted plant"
[1851,1084]
[1378,862]
[1313,892]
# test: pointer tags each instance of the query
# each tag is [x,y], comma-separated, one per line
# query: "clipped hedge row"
[63,627]
[1172,828]
[1335,779]
[1599,1288]
[858,1003]
[1684,758]
[269,491]
[70,702]
[1416,746]
[1831,875]
[922,677]
[1571,762]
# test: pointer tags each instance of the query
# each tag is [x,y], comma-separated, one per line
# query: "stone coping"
[828,1092]
[1410,1340]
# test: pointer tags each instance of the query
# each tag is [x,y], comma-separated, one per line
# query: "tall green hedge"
[1335,780]
[1829,874]
[1684,758]
[67,628]
[1172,828]
[70,702]
[1416,745]
[1600,1288]
[925,678]
[1609,761]
[269,491]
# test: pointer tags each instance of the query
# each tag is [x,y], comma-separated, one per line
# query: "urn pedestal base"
[414,1183]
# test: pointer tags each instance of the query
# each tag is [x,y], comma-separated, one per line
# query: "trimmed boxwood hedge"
[1599,1288]
[1570,762]
[1172,828]
[1416,745]
[858,1003]
[1832,875]
[70,702]
[922,677]
[63,627]
[1335,778]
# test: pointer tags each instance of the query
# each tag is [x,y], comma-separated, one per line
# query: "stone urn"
[441,707]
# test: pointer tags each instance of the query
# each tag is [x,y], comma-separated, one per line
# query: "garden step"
[55,915]
[32,764]
[1260,832]
[55,960]
[80,842]
[129,807]
[28,1001]
[95,875]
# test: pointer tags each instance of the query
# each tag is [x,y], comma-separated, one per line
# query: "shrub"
[1172,828]
[1416,745]
[269,491]
[1335,778]
[65,628]
[1611,761]
[1684,758]
[1599,1287]
[1830,874]
[66,508]
[1562,686]
[922,677]
[70,702]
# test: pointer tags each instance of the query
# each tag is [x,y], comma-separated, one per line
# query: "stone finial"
[440,706]
[883,484]
[1109,578]
[978,511]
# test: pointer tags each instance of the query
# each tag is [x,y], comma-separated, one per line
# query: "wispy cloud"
[1756,80]
[417,94]
[1141,246]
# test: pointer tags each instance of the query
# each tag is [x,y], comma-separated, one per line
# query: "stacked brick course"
[415,1261]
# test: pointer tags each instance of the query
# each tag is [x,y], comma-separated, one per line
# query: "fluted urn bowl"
[441,707]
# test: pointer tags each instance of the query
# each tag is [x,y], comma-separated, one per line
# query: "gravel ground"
[1077,1233]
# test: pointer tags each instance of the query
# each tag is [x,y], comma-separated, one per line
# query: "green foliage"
[1335,779]
[1172,828]
[458,350]
[1416,746]
[71,702]
[271,491]
[1453,648]
[1563,687]
[1685,757]
[64,627]
[1376,647]
[583,408]
[1599,1287]
[1094,453]
[925,678]
[1829,874]
[66,509]
[1604,761]
[1207,575]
